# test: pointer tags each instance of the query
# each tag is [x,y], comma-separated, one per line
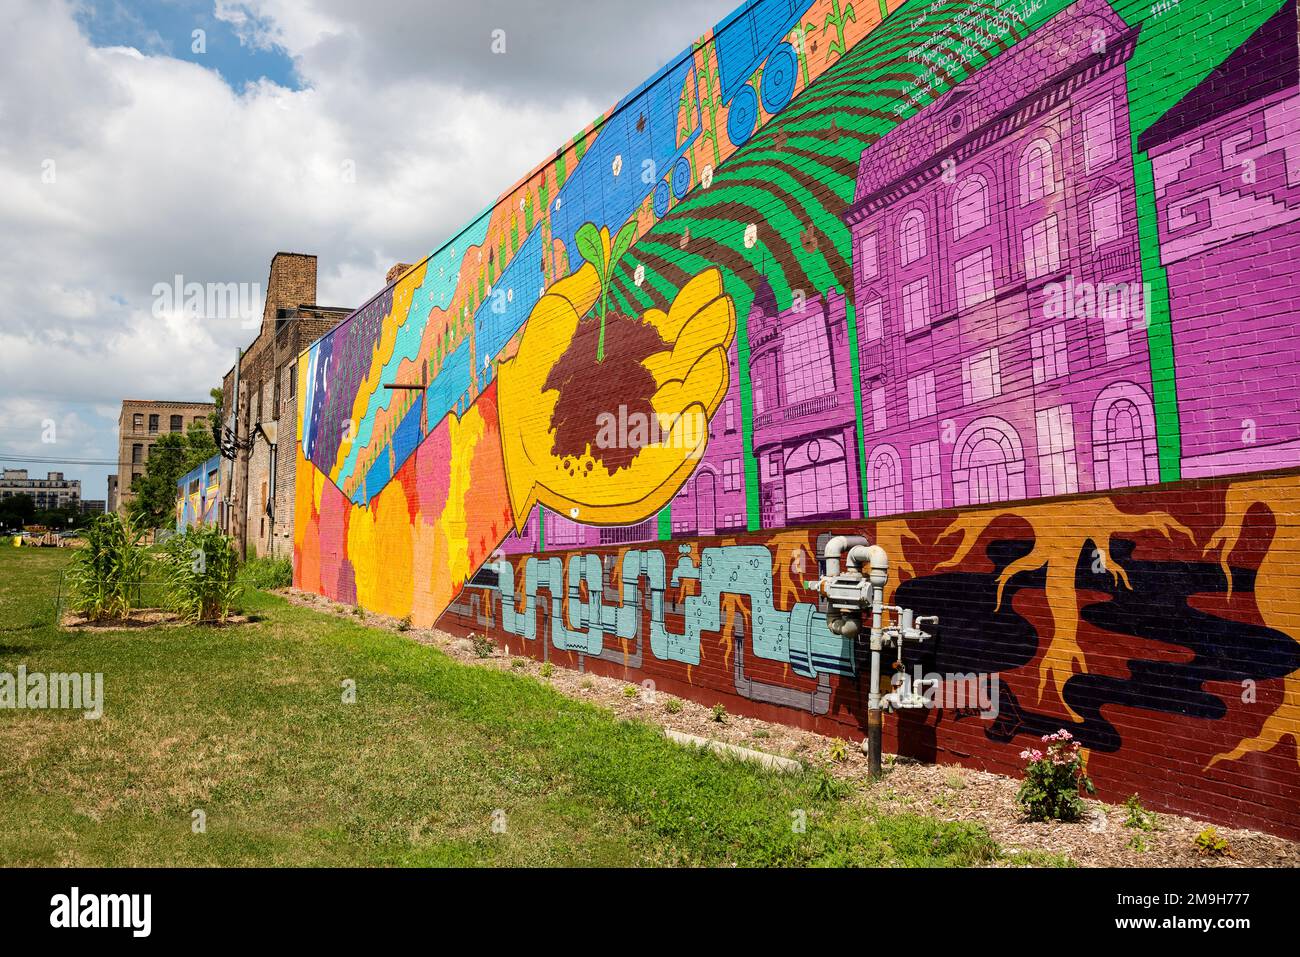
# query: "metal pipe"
[836,547]
[878,560]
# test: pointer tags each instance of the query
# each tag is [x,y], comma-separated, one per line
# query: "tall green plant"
[202,572]
[107,569]
[596,248]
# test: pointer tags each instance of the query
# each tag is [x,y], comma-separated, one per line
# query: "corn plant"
[202,582]
[107,570]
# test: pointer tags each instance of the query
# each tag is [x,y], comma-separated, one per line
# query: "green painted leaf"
[588,241]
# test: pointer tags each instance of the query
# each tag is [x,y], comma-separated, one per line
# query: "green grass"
[248,724]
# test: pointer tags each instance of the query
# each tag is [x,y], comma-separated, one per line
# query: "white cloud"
[122,168]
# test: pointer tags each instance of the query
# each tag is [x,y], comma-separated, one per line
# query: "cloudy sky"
[133,150]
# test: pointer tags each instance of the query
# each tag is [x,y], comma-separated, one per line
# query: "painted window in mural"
[1037,172]
[806,360]
[911,237]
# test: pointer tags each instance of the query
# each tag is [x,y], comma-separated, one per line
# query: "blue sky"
[166,28]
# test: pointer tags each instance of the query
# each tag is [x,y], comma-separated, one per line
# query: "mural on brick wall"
[981,267]
[198,495]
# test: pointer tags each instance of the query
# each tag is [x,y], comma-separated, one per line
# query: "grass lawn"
[248,725]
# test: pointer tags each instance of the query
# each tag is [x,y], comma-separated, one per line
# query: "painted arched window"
[884,481]
[989,465]
[911,236]
[1123,425]
[1037,172]
[817,481]
[970,207]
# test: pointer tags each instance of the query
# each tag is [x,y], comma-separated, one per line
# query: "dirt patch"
[585,387]
[146,618]
[944,791]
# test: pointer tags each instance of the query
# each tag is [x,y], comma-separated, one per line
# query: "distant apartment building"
[90,507]
[53,491]
[263,417]
[141,424]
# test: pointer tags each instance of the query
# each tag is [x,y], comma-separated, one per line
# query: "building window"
[920,396]
[878,409]
[916,305]
[137,422]
[1037,172]
[137,454]
[1042,243]
[730,414]
[911,237]
[975,278]
[869,257]
[927,484]
[1123,427]
[1058,469]
[884,482]
[1115,320]
[1105,215]
[1098,136]
[1049,353]
[731,475]
[772,465]
[177,423]
[817,480]
[981,376]
[873,319]
[153,424]
[988,463]
[970,207]
[806,360]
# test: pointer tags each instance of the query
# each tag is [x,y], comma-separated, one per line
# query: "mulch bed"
[145,618]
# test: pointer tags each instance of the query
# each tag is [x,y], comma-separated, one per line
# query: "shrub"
[107,570]
[1053,780]
[719,713]
[202,574]
[1210,844]
[484,646]
[630,691]
[548,669]
[404,624]
[1136,816]
[267,573]
[839,750]
[673,705]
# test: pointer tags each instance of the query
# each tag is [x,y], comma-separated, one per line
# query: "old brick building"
[141,423]
[260,491]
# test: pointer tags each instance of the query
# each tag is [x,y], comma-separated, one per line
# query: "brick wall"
[1004,288]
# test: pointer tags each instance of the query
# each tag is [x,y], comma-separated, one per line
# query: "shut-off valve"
[856,611]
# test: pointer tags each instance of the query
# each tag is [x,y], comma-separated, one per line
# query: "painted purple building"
[804,419]
[1226,161]
[712,502]
[1002,343]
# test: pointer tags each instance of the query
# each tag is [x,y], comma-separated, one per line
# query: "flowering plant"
[1054,780]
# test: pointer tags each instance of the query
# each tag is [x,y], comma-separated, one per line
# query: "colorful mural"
[198,495]
[951,275]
